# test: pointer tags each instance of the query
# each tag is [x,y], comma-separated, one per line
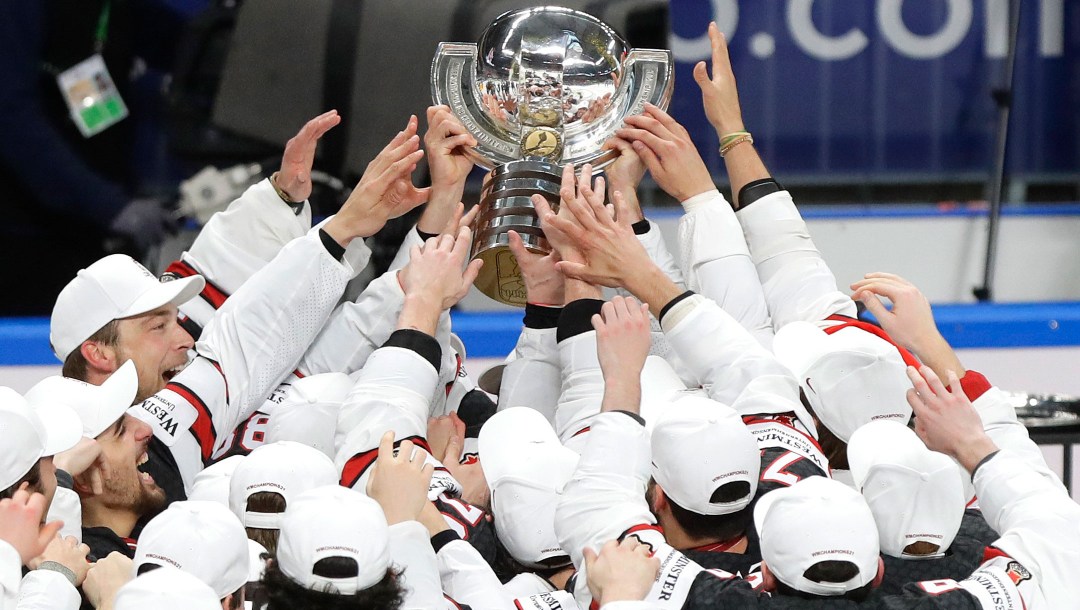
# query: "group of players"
[714,428]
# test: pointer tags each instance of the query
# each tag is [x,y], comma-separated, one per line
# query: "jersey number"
[776,471]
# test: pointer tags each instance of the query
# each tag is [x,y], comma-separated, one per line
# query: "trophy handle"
[453,83]
[648,77]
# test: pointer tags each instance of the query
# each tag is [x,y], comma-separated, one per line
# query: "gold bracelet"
[724,150]
[285,196]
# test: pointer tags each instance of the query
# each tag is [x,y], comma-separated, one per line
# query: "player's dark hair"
[835,450]
[718,527]
[829,571]
[32,476]
[75,365]
[282,593]
[265,502]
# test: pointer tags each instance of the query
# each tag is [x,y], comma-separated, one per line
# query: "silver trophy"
[544,87]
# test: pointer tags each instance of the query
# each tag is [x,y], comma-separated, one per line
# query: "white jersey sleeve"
[1039,525]
[468,579]
[533,376]
[735,368]
[582,388]
[10,576]
[392,392]
[605,499]
[411,552]
[653,242]
[356,329]
[798,284]
[67,507]
[253,342]
[47,590]
[1001,425]
[237,242]
[717,263]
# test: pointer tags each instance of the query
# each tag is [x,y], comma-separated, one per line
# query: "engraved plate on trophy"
[544,87]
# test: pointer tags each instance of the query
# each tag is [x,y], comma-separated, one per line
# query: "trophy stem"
[506,206]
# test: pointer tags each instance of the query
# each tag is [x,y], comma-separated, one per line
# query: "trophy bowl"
[543,88]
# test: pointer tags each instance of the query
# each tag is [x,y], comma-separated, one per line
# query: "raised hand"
[669,153]
[294,177]
[385,190]
[719,93]
[20,524]
[399,482]
[607,249]
[445,141]
[622,336]
[911,322]
[623,571]
[435,271]
[544,285]
[625,174]
[79,459]
[945,419]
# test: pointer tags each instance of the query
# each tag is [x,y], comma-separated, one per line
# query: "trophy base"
[506,205]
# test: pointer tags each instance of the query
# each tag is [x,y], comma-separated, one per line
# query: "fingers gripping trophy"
[543,88]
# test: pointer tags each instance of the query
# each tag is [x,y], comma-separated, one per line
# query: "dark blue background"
[881,115]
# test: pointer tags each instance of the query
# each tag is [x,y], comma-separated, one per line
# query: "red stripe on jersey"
[582,431]
[994,553]
[453,601]
[845,322]
[223,377]
[203,428]
[517,605]
[359,463]
[130,542]
[974,385]
[210,293]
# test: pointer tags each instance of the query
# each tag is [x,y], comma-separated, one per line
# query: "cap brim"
[176,292]
[63,428]
[117,394]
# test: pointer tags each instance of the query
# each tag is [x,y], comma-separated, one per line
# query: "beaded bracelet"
[726,148]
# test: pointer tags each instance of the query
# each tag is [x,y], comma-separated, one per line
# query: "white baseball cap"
[112,288]
[201,538]
[817,519]
[526,468]
[308,414]
[334,521]
[850,377]
[212,482]
[97,406]
[916,495]
[704,457]
[57,426]
[166,588]
[285,468]
[24,441]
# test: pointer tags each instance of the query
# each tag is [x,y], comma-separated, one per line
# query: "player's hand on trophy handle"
[294,177]
[625,174]
[385,190]
[544,285]
[445,140]
[669,153]
[945,419]
[719,94]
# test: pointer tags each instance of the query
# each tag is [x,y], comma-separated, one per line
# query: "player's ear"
[880,573]
[768,581]
[659,500]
